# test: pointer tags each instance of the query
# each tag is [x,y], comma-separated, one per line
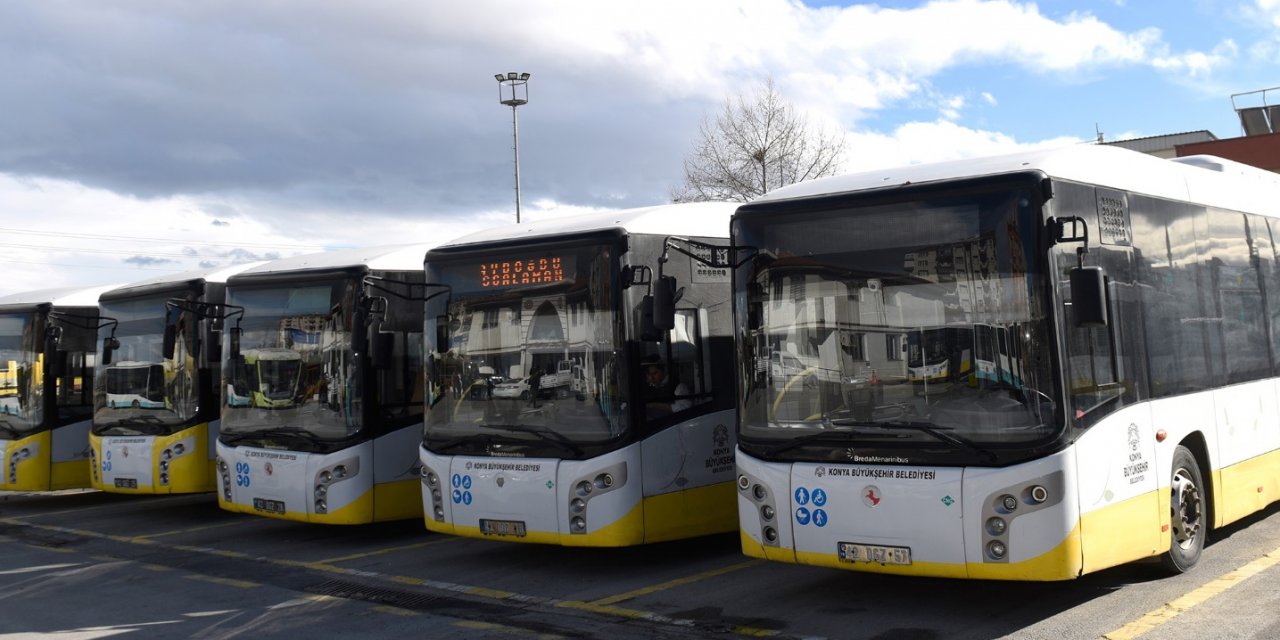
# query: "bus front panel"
[333,488]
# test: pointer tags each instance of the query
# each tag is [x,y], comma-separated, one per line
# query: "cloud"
[148,261]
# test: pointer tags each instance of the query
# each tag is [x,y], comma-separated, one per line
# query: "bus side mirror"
[209,349]
[442,334]
[382,349]
[235,343]
[109,346]
[664,303]
[648,330]
[1089,296]
[170,341]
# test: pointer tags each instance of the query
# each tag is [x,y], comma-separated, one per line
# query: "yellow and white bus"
[1130,402]
[47,345]
[322,405]
[542,425]
[156,409]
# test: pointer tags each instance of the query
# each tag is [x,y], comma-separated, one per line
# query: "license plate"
[856,552]
[502,528]
[126,483]
[270,506]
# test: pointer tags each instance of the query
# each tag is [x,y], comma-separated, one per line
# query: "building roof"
[1164,142]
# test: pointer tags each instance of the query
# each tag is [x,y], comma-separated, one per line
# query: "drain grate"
[379,595]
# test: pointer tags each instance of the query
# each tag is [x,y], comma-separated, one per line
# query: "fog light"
[584,487]
[178,449]
[577,505]
[322,506]
[996,549]
[435,495]
[321,491]
[744,482]
[340,471]
[604,481]
[1009,502]
[579,524]
[432,478]
[770,534]
[164,478]
[1039,494]
[767,512]
[164,465]
[439,513]
[759,492]
[996,526]
[326,477]
[166,454]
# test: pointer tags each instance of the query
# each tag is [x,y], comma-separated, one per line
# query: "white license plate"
[269,506]
[857,552]
[126,483]
[502,528]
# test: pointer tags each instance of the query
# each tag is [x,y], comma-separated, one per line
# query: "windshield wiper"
[985,455]
[548,434]
[293,434]
[142,425]
[810,438]
[6,427]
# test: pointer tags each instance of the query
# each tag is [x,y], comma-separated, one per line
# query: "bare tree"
[756,143]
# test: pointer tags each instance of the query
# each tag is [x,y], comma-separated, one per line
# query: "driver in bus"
[662,396]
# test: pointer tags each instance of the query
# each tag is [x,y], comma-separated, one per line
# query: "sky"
[139,138]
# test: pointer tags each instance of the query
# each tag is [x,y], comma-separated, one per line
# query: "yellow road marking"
[678,582]
[611,610]
[367,554]
[191,530]
[1173,609]
[223,581]
[476,625]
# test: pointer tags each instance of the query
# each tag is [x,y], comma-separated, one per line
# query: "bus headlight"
[767,512]
[164,465]
[770,534]
[1009,503]
[997,526]
[165,455]
[340,471]
[439,512]
[579,524]
[577,505]
[604,481]
[326,477]
[759,492]
[744,482]
[433,480]
[322,507]
[179,449]
[321,491]
[584,488]
[996,550]
[1038,494]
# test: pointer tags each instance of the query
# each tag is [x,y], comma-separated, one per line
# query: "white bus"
[322,409]
[1118,310]
[47,342]
[156,409]
[541,423]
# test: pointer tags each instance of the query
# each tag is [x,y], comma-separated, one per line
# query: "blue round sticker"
[466,482]
[820,517]
[802,496]
[466,497]
[457,496]
[457,480]
[819,498]
[802,515]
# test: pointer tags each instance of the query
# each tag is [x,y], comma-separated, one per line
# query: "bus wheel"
[1186,506]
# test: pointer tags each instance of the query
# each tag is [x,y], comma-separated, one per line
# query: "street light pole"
[513,91]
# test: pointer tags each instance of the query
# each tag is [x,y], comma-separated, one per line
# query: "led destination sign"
[509,273]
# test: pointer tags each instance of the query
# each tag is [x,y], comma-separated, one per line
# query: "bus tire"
[1188,521]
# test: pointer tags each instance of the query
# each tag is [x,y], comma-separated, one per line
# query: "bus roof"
[59,297]
[400,257]
[216,274]
[1204,179]
[699,219]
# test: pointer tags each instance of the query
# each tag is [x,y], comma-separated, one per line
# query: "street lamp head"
[524,76]
[499,77]
[511,75]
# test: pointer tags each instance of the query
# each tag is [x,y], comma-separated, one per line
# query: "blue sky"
[143,137]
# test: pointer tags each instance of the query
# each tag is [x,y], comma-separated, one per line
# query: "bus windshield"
[140,392]
[915,331]
[291,367]
[20,373]
[531,365]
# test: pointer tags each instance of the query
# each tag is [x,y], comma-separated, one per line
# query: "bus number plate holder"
[873,553]
[126,483]
[270,506]
[502,528]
